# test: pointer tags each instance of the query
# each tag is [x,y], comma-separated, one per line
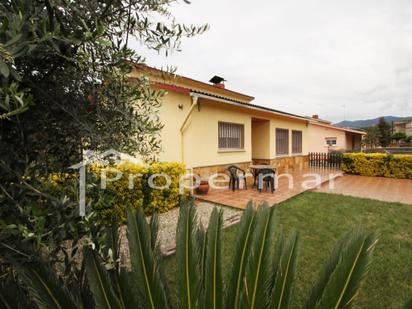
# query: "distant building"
[404,126]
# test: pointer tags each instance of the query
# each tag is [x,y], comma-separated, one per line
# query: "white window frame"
[331,139]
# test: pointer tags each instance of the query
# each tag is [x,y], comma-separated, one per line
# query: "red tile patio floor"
[378,188]
[302,181]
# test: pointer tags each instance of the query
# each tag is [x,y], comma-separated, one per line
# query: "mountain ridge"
[362,123]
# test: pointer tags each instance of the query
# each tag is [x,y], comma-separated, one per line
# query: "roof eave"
[337,128]
[247,105]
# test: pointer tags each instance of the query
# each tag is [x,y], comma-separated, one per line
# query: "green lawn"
[321,219]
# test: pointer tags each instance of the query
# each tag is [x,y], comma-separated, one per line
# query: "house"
[324,137]
[208,127]
[404,126]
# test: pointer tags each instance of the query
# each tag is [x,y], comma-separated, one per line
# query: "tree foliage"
[371,138]
[385,132]
[63,68]
[64,88]
[399,136]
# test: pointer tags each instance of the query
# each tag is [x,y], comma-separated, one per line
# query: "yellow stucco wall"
[260,139]
[172,118]
[201,135]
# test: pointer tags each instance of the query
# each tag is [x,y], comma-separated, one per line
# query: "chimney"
[315,116]
[218,81]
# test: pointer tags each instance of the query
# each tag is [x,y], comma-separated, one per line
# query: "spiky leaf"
[326,272]
[213,275]
[277,255]
[154,231]
[121,278]
[259,262]
[285,274]
[45,289]
[345,281]
[188,257]
[127,288]
[240,256]
[145,264]
[99,281]
[201,235]
[11,295]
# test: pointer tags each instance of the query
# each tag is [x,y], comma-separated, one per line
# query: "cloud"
[334,58]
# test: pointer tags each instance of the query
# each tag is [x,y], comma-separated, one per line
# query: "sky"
[338,59]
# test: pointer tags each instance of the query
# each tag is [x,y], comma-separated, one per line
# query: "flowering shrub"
[132,189]
[376,164]
[113,189]
[164,199]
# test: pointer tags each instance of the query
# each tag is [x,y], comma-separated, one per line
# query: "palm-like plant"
[262,272]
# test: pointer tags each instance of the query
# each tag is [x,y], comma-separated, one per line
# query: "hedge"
[376,164]
[112,202]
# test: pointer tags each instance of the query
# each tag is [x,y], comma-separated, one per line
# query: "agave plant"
[261,275]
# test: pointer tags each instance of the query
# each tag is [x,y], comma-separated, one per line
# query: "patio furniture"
[235,173]
[254,169]
[266,176]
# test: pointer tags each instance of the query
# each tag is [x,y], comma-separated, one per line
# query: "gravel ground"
[168,223]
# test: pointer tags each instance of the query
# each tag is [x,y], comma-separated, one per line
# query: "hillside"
[367,122]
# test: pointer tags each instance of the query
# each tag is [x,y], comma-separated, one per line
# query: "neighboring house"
[403,127]
[324,137]
[209,127]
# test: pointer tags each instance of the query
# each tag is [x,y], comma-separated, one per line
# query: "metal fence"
[324,159]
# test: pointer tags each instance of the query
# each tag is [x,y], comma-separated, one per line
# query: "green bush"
[141,195]
[376,164]
[112,202]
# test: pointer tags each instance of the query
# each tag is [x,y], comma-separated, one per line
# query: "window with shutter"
[296,141]
[231,135]
[282,141]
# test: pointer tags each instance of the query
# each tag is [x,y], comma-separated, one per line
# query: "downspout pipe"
[182,128]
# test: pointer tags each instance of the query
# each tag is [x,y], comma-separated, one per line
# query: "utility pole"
[344,111]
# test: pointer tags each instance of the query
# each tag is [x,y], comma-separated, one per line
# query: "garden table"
[255,168]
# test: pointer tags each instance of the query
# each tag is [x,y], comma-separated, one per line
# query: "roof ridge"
[247,97]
